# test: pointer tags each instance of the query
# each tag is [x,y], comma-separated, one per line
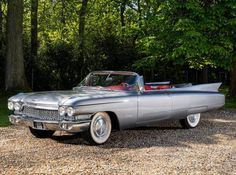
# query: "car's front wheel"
[191,121]
[41,133]
[99,130]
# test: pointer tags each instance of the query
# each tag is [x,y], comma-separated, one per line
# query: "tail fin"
[211,87]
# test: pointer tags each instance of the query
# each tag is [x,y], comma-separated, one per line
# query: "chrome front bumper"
[69,126]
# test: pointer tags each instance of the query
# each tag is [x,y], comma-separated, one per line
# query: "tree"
[82,14]
[15,74]
[2,42]
[122,11]
[233,80]
[1,27]
[1,35]
[34,36]
[63,40]
[63,19]
[1,30]
[194,33]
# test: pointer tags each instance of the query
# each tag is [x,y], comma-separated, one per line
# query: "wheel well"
[114,120]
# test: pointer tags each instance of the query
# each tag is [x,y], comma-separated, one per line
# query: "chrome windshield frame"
[138,79]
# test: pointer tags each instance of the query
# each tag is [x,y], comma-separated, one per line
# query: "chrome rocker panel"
[69,126]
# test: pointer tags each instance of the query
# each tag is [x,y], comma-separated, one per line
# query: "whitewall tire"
[191,121]
[100,129]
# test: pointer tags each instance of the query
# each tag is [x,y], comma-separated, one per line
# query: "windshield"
[111,81]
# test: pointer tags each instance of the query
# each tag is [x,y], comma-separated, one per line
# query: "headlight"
[70,111]
[17,106]
[10,105]
[62,111]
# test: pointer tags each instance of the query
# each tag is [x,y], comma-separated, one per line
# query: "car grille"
[42,114]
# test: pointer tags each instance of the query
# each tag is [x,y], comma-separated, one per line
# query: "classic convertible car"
[111,100]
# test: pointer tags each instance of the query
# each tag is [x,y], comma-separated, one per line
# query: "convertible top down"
[108,100]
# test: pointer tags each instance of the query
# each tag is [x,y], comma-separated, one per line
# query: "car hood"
[47,97]
[56,98]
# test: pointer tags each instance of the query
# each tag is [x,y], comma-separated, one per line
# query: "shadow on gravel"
[166,134]
[74,139]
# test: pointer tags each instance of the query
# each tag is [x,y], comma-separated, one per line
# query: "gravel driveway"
[163,149]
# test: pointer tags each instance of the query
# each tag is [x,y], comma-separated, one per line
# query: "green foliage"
[199,33]
[60,64]
[230,103]
[4,112]
[174,33]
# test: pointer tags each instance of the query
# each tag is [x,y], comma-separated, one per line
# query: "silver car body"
[126,108]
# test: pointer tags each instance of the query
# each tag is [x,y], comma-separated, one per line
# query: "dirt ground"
[163,149]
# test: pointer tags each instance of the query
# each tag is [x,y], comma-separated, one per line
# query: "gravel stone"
[165,148]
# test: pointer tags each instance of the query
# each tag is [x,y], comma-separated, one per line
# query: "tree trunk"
[122,11]
[233,81]
[139,13]
[139,23]
[15,75]
[1,28]
[82,14]
[34,37]
[63,19]
[2,45]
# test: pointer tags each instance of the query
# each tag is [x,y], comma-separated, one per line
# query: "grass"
[230,103]
[4,112]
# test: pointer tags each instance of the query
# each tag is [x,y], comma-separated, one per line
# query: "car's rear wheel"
[191,121]
[41,133]
[99,130]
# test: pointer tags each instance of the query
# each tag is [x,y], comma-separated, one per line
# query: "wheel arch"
[114,120]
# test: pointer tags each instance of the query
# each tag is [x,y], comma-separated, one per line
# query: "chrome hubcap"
[193,119]
[100,127]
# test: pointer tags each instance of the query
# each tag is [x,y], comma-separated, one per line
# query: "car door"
[153,106]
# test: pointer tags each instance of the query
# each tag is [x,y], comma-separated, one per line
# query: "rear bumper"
[69,126]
